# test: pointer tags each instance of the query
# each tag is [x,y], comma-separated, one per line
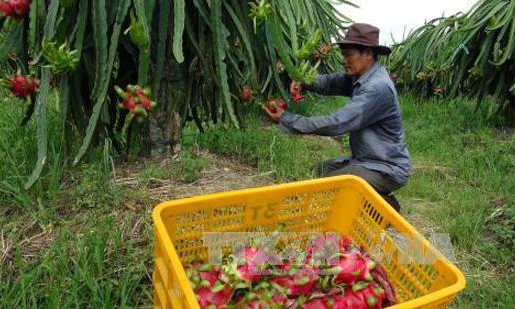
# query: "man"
[372,117]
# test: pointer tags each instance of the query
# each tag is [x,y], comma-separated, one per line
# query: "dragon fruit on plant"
[16,9]
[136,100]
[246,94]
[21,86]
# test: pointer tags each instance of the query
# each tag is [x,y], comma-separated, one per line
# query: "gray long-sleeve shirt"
[372,117]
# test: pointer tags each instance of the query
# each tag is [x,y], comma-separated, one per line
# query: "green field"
[82,237]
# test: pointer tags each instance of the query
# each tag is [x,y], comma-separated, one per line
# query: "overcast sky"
[393,16]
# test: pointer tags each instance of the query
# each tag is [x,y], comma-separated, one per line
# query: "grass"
[465,165]
[18,146]
[80,239]
[95,268]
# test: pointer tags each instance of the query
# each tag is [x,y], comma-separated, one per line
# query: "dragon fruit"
[21,86]
[316,304]
[323,247]
[204,275]
[295,93]
[379,276]
[345,244]
[136,100]
[275,105]
[129,103]
[219,298]
[372,295]
[350,300]
[248,265]
[209,289]
[16,9]
[350,268]
[281,104]
[246,94]
[261,298]
[299,281]
[144,100]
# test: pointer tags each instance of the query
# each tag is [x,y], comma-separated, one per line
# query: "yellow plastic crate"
[346,204]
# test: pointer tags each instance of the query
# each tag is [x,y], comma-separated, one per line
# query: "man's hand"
[274,114]
[296,92]
[295,87]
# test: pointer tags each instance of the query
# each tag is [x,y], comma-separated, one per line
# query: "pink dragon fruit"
[16,9]
[210,291]
[316,304]
[349,300]
[204,275]
[372,295]
[295,93]
[326,248]
[350,268]
[379,276]
[143,98]
[346,244]
[249,265]
[298,281]
[321,249]
[129,103]
[22,87]
[218,297]
[136,100]
[264,299]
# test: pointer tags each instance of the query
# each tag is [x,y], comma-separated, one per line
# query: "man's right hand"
[295,92]
[295,87]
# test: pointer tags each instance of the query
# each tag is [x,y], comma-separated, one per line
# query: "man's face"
[356,63]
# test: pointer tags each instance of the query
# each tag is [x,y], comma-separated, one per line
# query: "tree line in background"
[468,54]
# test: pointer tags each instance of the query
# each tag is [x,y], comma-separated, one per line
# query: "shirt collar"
[367,74]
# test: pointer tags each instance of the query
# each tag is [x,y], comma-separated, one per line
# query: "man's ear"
[370,52]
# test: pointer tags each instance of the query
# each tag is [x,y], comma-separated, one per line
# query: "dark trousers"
[381,182]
